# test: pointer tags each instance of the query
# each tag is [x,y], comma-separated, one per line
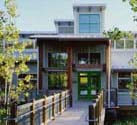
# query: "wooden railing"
[96,110]
[40,111]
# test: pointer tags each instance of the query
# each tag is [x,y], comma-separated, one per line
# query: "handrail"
[96,109]
[55,104]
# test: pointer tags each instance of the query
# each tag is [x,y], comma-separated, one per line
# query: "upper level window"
[57,60]
[89,23]
[120,44]
[129,44]
[89,58]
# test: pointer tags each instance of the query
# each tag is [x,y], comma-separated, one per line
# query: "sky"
[39,15]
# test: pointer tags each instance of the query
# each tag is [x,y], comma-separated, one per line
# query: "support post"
[40,76]
[69,68]
[108,72]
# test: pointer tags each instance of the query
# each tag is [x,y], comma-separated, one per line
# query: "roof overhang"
[71,39]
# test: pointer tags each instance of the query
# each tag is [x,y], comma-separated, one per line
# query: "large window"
[89,23]
[89,58]
[57,60]
[124,78]
[57,80]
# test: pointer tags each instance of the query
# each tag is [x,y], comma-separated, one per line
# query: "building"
[78,57]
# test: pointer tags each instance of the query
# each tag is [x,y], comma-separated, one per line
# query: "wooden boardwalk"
[73,116]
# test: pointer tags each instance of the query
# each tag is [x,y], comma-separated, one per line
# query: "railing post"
[53,107]
[70,99]
[13,112]
[60,103]
[65,100]
[92,115]
[32,116]
[44,111]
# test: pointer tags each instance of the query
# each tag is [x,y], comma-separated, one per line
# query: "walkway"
[73,116]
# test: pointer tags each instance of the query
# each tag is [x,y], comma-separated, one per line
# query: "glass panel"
[83,80]
[94,18]
[84,18]
[83,58]
[95,28]
[120,44]
[84,28]
[112,44]
[95,58]
[129,44]
[57,80]
[57,60]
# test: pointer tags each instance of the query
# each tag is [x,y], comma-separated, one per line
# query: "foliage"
[133,4]
[12,60]
[132,121]
[116,34]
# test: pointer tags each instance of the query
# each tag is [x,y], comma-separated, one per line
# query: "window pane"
[95,58]
[120,44]
[57,80]
[123,80]
[84,28]
[94,18]
[84,18]
[129,44]
[57,59]
[94,28]
[83,58]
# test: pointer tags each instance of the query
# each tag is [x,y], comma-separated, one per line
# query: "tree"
[116,34]
[133,4]
[12,60]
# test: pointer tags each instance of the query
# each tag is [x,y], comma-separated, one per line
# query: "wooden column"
[69,68]
[108,71]
[40,76]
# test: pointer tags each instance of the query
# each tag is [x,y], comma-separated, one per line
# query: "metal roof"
[89,5]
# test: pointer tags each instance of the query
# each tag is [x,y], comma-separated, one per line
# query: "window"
[57,80]
[83,58]
[89,23]
[120,44]
[57,60]
[124,78]
[94,58]
[129,44]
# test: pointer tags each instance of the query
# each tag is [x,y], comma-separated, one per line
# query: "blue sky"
[39,15]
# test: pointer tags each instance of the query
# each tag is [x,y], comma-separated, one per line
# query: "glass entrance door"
[89,84]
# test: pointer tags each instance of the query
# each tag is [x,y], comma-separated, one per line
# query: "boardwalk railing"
[96,110]
[40,111]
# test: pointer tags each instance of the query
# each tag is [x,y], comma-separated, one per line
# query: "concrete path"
[73,116]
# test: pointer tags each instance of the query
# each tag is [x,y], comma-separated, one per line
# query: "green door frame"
[88,88]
